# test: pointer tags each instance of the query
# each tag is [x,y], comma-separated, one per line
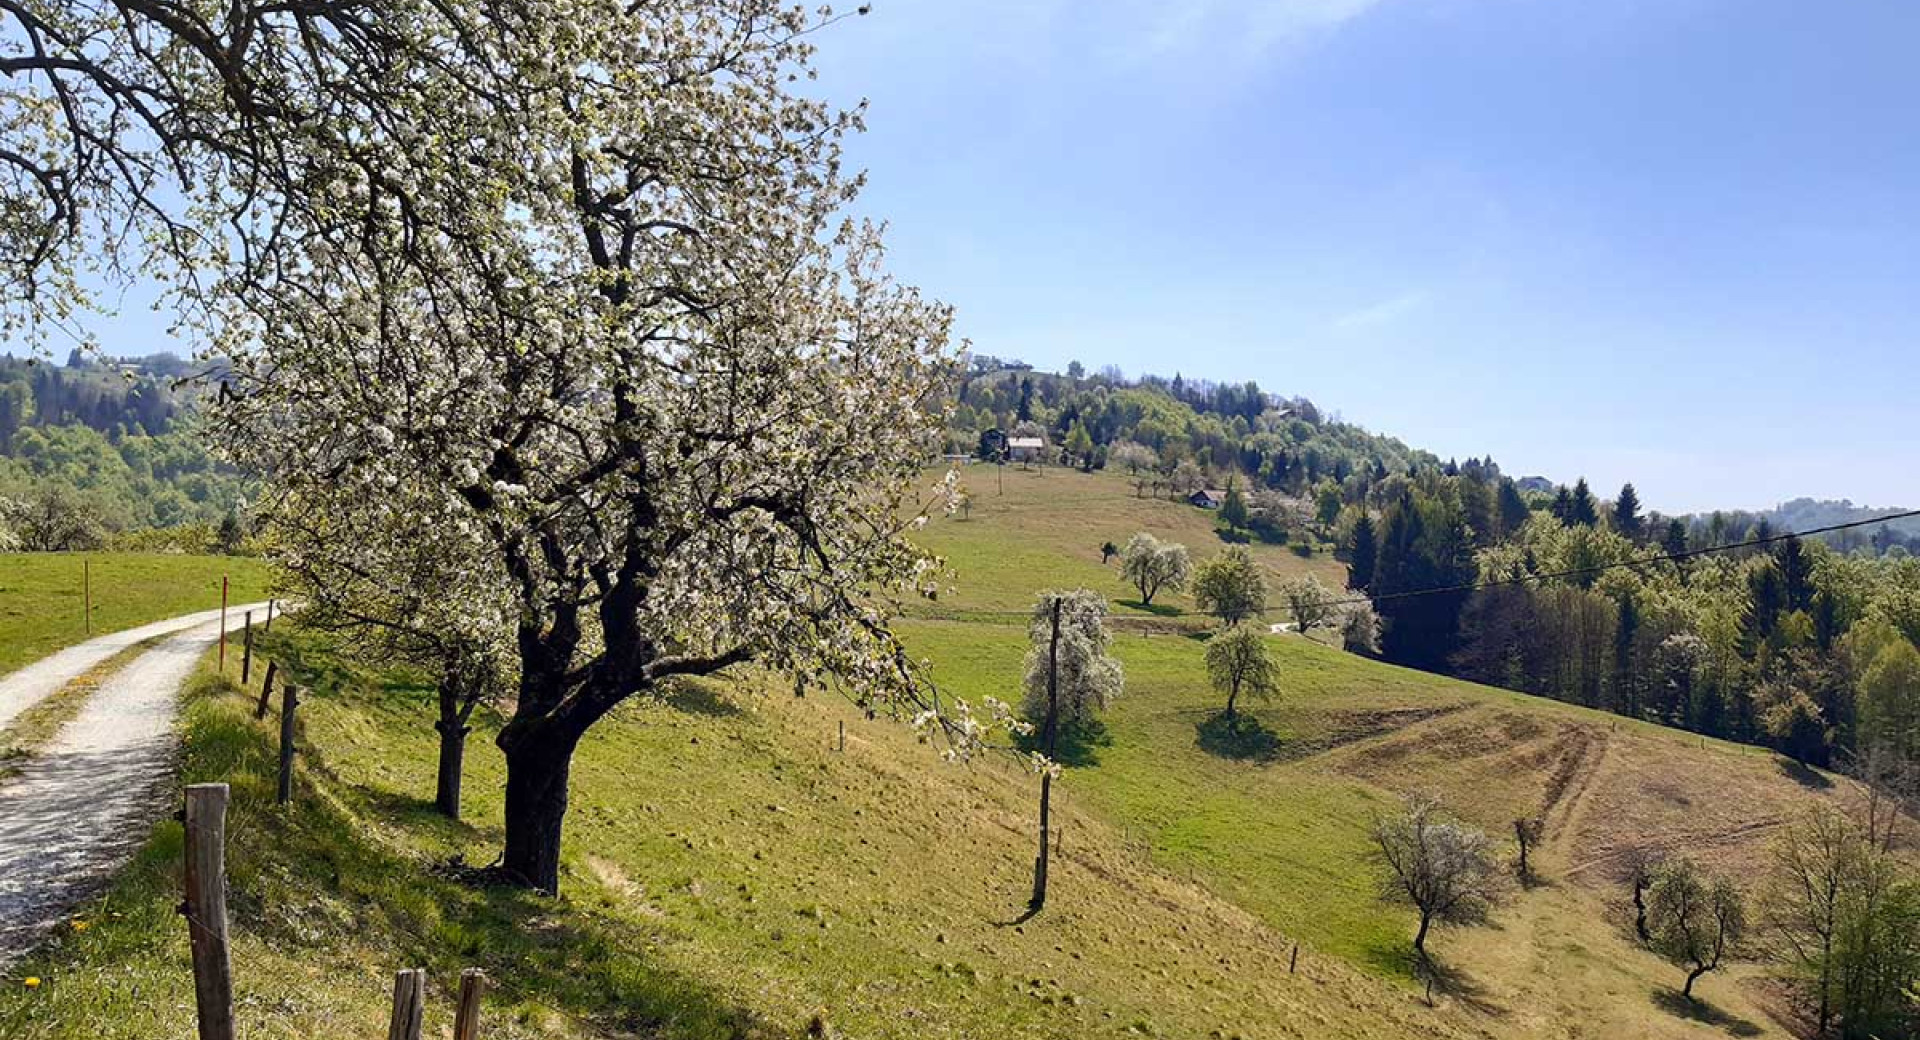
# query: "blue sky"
[1671,241]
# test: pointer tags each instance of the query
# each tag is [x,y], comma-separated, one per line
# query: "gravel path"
[86,800]
[42,679]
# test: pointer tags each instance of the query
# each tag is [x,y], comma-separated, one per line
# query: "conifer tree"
[1626,513]
[1583,510]
[1361,555]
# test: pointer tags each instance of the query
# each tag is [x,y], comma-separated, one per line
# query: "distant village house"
[1209,498]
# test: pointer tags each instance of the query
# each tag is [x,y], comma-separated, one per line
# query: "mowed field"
[1042,528]
[731,872]
[42,595]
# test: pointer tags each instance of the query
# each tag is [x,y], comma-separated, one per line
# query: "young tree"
[1069,676]
[1079,445]
[1360,629]
[1152,565]
[667,395]
[1237,663]
[1527,831]
[1694,919]
[1234,509]
[1137,458]
[1446,871]
[1108,551]
[1816,861]
[414,600]
[1310,602]
[1230,586]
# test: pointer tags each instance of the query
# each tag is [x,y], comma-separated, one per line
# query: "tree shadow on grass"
[1455,984]
[1156,609]
[1673,1002]
[1804,775]
[363,895]
[699,698]
[1077,744]
[1240,736]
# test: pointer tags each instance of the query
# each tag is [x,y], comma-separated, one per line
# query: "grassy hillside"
[1039,528]
[731,873]
[41,596]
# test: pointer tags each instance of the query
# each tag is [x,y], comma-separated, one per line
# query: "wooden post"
[843,735]
[223,622]
[266,691]
[246,650]
[409,1004]
[206,909]
[289,701]
[1294,961]
[466,1019]
[270,615]
[86,592]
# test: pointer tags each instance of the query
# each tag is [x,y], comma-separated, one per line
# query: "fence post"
[1294,961]
[843,734]
[289,701]
[206,909]
[223,623]
[466,1020]
[266,690]
[270,604]
[246,650]
[409,1004]
[86,591]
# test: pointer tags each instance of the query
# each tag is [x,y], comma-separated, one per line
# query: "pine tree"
[1512,508]
[1584,511]
[1361,555]
[1562,508]
[1025,410]
[1796,573]
[1674,543]
[1626,512]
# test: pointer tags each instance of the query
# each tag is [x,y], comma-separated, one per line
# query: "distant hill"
[111,440]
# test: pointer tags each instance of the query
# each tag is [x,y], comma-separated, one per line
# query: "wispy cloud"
[1237,29]
[1384,312]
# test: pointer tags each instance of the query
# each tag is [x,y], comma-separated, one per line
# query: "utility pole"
[1048,731]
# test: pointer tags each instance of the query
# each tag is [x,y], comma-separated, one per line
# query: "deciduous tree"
[1153,566]
[1446,871]
[663,390]
[1694,919]
[1238,663]
[1230,586]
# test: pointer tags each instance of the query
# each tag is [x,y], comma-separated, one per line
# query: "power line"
[1578,572]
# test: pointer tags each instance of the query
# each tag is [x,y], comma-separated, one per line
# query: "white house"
[1026,449]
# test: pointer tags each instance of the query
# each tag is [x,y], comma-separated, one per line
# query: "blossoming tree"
[662,395]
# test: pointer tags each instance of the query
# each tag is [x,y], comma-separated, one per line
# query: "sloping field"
[732,873]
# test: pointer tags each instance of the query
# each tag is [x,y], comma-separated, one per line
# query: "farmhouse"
[1209,498]
[1026,449]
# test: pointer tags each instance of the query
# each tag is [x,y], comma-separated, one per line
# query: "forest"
[102,450]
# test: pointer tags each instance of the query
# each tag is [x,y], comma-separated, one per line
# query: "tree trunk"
[1692,976]
[453,753]
[1233,694]
[1420,937]
[1640,910]
[1039,898]
[538,764]
[455,706]
[1048,736]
